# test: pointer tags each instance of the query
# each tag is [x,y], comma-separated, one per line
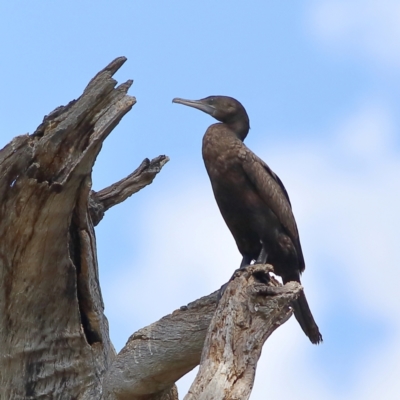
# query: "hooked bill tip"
[178,100]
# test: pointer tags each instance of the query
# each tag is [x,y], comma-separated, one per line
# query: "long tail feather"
[306,320]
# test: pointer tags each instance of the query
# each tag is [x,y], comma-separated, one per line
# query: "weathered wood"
[118,192]
[54,337]
[249,311]
[253,306]
[156,356]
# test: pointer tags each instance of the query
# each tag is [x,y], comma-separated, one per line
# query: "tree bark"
[156,356]
[54,337]
[253,306]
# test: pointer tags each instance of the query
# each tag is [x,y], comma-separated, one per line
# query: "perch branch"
[155,357]
[252,307]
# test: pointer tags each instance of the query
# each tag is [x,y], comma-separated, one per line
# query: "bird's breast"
[223,158]
[220,152]
[240,204]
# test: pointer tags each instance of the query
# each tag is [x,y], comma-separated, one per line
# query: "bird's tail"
[305,318]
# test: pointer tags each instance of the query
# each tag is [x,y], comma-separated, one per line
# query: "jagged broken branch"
[227,337]
[100,202]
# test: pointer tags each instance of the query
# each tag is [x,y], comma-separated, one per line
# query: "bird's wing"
[271,190]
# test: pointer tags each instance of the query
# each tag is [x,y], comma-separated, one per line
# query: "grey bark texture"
[54,336]
[252,307]
[156,356]
[53,333]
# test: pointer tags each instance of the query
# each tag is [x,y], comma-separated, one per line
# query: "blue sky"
[321,83]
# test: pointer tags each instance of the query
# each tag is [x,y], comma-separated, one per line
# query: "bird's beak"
[207,108]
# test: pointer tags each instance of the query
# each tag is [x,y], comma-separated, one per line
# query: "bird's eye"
[211,100]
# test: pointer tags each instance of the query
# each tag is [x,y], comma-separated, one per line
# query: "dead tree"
[54,337]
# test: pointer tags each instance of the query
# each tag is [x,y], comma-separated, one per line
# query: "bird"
[252,199]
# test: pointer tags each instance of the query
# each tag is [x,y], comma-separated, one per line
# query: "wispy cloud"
[364,28]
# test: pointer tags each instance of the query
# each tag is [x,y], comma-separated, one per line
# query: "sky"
[321,83]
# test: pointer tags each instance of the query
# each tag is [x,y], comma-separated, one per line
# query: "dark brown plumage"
[252,199]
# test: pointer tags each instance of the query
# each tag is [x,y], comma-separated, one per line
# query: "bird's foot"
[260,271]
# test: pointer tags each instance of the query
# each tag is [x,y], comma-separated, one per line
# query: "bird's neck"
[240,127]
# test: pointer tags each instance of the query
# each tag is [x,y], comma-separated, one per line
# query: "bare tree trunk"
[54,337]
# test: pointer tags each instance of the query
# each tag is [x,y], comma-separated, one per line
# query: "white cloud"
[352,188]
[350,213]
[368,28]
[368,134]
[345,193]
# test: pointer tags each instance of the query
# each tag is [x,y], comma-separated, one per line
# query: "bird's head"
[224,109]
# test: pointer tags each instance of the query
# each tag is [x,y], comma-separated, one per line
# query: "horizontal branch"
[100,202]
[156,356]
